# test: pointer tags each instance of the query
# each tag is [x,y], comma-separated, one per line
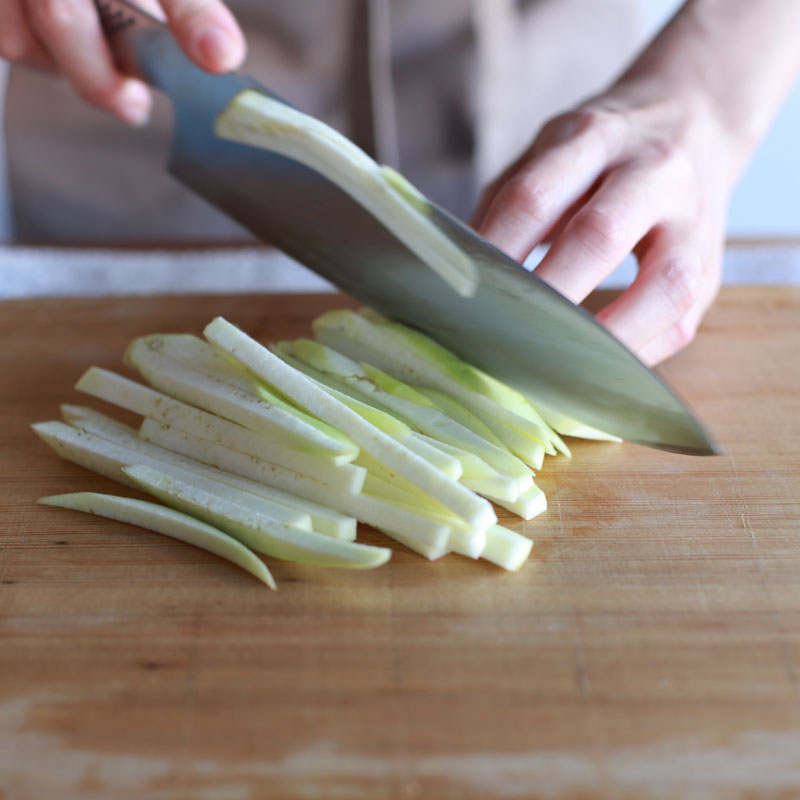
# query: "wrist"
[732,61]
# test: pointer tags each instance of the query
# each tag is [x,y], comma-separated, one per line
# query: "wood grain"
[650,648]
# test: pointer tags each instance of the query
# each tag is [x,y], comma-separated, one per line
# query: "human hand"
[65,35]
[638,169]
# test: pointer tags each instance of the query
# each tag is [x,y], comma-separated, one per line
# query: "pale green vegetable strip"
[256,505]
[108,458]
[428,537]
[567,426]
[461,414]
[410,355]
[323,520]
[496,486]
[482,478]
[373,511]
[426,550]
[528,450]
[475,511]
[255,119]
[86,450]
[462,538]
[168,522]
[528,505]
[516,410]
[385,421]
[506,548]
[396,429]
[254,531]
[217,365]
[503,409]
[356,395]
[472,466]
[388,347]
[169,411]
[444,460]
[198,355]
[396,487]
[449,423]
[386,486]
[235,404]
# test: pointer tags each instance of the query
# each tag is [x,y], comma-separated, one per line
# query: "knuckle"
[15,45]
[681,279]
[530,198]
[59,14]
[580,121]
[607,124]
[590,118]
[599,230]
[663,151]
[558,129]
[670,160]
[683,332]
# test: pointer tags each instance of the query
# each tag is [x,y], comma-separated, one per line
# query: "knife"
[514,327]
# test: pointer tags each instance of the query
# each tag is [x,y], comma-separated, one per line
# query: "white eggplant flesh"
[283,452]
[416,359]
[371,510]
[166,521]
[506,548]
[110,458]
[323,520]
[253,530]
[474,510]
[254,118]
[233,403]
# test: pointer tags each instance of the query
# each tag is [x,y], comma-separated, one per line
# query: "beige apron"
[447,90]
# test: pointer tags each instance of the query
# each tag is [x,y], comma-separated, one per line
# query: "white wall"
[766,202]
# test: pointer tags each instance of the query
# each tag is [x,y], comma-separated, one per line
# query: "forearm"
[738,57]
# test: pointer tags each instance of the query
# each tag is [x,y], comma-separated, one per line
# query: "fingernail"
[217,48]
[134,104]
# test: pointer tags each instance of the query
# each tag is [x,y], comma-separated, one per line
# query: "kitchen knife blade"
[515,326]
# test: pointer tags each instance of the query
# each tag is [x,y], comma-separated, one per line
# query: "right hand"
[65,36]
[643,168]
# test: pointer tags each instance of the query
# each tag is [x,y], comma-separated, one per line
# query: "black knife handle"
[124,24]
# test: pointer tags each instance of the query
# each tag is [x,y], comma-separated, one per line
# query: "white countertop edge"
[63,272]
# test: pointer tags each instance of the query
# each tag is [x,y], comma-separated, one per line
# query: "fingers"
[665,290]
[66,34]
[602,233]
[671,341]
[528,200]
[678,335]
[630,172]
[207,32]
[17,41]
[70,32]
[677,281]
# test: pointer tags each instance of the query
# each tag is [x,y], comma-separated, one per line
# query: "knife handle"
[127,27]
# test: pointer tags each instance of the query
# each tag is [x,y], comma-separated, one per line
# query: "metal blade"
[515,327]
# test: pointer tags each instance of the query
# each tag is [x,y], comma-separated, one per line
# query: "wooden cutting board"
[650,649]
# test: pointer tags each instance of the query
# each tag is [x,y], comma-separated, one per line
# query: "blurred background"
[565,50]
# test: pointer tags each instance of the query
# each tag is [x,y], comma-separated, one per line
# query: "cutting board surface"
[650,648]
